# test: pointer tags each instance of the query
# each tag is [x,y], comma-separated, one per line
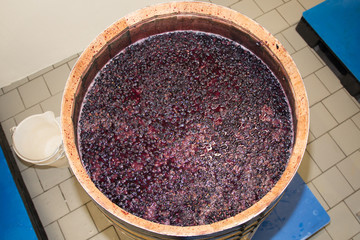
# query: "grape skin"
[185,128]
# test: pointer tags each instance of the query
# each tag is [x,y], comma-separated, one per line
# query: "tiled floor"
[331,165]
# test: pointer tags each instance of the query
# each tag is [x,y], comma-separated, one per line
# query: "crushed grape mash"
[185,128]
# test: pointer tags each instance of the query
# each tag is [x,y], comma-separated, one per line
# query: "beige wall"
[37,33]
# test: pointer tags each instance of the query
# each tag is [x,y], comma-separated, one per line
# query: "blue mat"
[298,215]
[14,220]
[337,24]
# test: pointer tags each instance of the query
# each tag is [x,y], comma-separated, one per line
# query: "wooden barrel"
[185,16]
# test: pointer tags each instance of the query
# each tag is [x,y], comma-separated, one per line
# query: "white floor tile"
[226,3]
[27,113]
[347,136]
[72,63]
[21,163]
[75,195]
[315,90]
[53,231]
[50,177]
[34,92]
[318,57]
[310,3]
[53,104]
[78,225]
[321,120]
[248,8]
[294,38]
[108,234]
[356,120]
[41,72]
[306,62]
[332,186]
[7,125]
[56,79]
[15,85]
[318,196]
[308,169]
[291,11]
[350,168]
[329,79]
[353,203]
[50,206]
[321,235]
[10,105]
[340,105]
[357,103]
[267,5]
[273,22]
[325,152]
[357,237]
[100,220]
[32,182]
[311,137]
[343,224]
[285,43]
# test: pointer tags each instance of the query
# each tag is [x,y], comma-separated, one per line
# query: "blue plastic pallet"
[298,215]
[337,24]
[332,29]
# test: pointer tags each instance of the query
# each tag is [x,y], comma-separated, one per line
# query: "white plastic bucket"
[37,140]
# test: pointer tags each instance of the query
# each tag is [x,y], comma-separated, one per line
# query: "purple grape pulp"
[185,128]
